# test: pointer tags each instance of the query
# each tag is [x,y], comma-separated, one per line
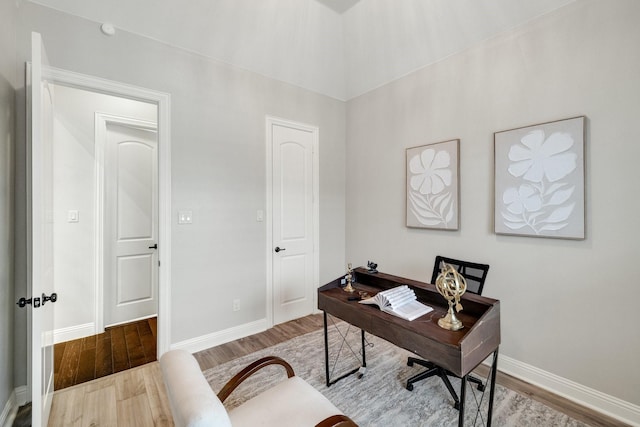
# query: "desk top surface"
[459,351]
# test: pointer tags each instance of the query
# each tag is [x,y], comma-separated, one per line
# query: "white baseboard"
[9,412]
[73,332]
[21,395]
[585,396]
[17,398]
[211,340]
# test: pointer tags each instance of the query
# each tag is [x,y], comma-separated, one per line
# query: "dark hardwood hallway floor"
[119,348]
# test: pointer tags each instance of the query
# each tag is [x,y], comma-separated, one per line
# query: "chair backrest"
[474,273]
[193,403]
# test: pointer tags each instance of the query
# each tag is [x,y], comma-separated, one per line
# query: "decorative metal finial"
[451,285]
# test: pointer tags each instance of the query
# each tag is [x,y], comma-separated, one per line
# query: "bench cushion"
[289,403]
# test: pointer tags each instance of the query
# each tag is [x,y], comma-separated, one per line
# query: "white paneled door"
[294,218]
[130,221]
[40,230]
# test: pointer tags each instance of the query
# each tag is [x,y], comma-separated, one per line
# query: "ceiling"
[340,48]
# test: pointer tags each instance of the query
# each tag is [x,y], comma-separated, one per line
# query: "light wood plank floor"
[137,397]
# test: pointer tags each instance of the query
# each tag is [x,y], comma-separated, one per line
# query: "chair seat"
[290,403]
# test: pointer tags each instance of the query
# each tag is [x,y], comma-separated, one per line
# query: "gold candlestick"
[348,278]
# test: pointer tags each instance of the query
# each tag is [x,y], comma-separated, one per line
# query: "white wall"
[218,163]
[567,307]
[75,189]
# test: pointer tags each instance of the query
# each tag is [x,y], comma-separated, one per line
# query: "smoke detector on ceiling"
[108,29]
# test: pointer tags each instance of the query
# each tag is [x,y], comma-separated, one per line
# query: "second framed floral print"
[433,186]
[539,179]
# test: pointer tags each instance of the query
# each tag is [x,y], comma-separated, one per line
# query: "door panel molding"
[163,101]
[270,122]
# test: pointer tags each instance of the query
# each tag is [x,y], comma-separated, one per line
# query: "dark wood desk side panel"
[482,340]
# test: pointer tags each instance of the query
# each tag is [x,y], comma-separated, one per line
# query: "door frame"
[102,120]
[270,121]
[163,102]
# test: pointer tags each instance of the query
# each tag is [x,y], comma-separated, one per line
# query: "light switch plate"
[185,217]
[73,216]
[260,215]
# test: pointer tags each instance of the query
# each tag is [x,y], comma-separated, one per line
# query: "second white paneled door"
[131,221]
[294,219]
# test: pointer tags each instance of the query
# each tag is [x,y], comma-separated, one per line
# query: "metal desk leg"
[494,371]
[359,370]
[326,349]
[463,392]
[364,357]
[492,387]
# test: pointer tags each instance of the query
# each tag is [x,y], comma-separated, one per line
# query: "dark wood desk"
[459,352]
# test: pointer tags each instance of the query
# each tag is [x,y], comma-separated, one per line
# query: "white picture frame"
[433,186]
[539,180]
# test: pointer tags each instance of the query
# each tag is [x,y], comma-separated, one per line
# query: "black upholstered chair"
[475,275]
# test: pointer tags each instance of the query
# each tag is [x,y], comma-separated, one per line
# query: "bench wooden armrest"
[337,421]
[251,369]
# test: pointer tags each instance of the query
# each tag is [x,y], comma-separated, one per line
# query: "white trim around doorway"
[163,101]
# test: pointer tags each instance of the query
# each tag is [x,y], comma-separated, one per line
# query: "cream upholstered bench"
[292,402]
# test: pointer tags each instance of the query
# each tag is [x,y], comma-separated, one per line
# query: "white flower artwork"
[539,178]
[432,186]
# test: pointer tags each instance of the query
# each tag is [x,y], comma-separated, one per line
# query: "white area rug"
[379,398]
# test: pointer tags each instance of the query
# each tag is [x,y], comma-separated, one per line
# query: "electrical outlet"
[236,305]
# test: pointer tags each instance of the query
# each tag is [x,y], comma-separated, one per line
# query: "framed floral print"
[539,180]
[433,186]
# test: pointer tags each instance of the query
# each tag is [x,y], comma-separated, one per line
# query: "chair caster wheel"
[456,406]
[409,363]
[410,387]
[481,387]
